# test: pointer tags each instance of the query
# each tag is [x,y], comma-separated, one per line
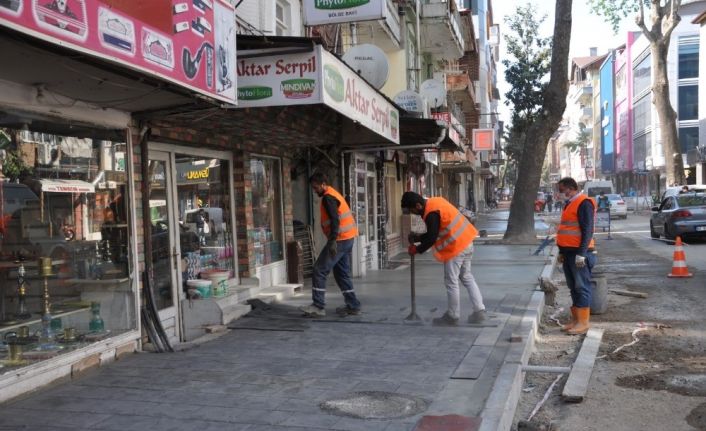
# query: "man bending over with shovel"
[450,236]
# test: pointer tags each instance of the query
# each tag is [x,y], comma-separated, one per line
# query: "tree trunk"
[520,226]
[665,113]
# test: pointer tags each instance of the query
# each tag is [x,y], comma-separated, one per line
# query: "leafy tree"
[526,71]
[538,105]
[657,28]
[579,145]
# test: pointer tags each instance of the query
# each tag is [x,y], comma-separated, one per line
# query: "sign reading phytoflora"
[191,44]
[339,4]
[254,93]
[291,79]
[320,12]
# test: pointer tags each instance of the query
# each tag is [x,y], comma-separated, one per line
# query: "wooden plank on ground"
[628,293]
[472,364]
[577,384]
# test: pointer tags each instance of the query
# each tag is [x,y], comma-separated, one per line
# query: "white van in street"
[594,188]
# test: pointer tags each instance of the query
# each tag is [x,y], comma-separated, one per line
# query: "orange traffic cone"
[679,269]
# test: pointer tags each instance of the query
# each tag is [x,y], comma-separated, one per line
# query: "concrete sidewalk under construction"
[274,372]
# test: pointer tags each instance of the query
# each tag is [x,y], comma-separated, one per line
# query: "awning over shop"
[66,186]
[456,162]
[426,133]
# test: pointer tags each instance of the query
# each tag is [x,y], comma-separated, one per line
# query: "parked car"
[675,190]
[681,215]
[618,207]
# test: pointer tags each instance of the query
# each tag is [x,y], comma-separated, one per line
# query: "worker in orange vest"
[450,236]
[340,229]
[577,252]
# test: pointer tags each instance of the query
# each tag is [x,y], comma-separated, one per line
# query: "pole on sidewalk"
[413,316]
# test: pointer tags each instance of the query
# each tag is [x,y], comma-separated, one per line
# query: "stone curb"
[499,411]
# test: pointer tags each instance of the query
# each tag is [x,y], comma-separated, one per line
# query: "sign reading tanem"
[319,12]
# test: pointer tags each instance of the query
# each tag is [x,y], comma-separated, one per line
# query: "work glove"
[412,250]
[580,261]
[412,237]
[560,258]
[332,247]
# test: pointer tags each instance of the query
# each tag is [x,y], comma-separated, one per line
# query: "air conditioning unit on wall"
[44,153]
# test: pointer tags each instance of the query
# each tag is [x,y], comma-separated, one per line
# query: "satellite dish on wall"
[410,101]
[370,62]
[434,92]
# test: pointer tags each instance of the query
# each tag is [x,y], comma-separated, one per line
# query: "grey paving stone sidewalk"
[275,380]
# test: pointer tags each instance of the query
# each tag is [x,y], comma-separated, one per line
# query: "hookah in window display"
[46,339]
[22,313]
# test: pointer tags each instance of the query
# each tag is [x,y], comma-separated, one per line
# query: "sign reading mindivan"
[316,77]
[320,12]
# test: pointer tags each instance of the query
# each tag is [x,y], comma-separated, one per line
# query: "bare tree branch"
[672,20]
[640,21]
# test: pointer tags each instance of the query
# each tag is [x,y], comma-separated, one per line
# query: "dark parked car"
[681,215]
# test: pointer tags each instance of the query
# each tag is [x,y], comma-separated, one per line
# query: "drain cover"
[375,405]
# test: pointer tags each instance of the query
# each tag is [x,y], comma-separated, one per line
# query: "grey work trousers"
[459,269]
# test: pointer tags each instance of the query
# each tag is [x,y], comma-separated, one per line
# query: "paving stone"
[313,420]
[142,423]
[20,417]
[352,424]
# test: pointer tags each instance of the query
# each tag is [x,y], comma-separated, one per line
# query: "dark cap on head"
[410,199]
[319,178]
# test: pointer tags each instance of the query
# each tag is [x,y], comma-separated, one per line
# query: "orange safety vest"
[346,223]
[569,232]
[455,231]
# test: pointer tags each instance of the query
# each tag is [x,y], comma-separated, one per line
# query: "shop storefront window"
[203,201]
[65,258]
[267,232]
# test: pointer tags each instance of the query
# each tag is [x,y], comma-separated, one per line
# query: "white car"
[618,207]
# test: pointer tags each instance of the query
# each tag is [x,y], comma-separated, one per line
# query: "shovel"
[413,316]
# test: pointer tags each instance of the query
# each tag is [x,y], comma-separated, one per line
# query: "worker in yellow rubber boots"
[450,236]
[576,252]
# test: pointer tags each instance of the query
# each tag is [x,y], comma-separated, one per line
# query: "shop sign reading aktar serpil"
[322,12]
[348,94]
[316,77]
[279,80]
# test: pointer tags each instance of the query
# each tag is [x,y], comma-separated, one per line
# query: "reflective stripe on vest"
[346,223]
[569,231]
[456,233]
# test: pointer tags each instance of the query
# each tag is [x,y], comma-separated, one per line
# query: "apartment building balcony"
[462,90]
[441,29]
[385,32]
[581,93]
[586,115]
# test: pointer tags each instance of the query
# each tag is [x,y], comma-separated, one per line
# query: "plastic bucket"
[202,286]
[219,281]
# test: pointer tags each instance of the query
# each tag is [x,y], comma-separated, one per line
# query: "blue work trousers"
[579,279]
[341,265]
